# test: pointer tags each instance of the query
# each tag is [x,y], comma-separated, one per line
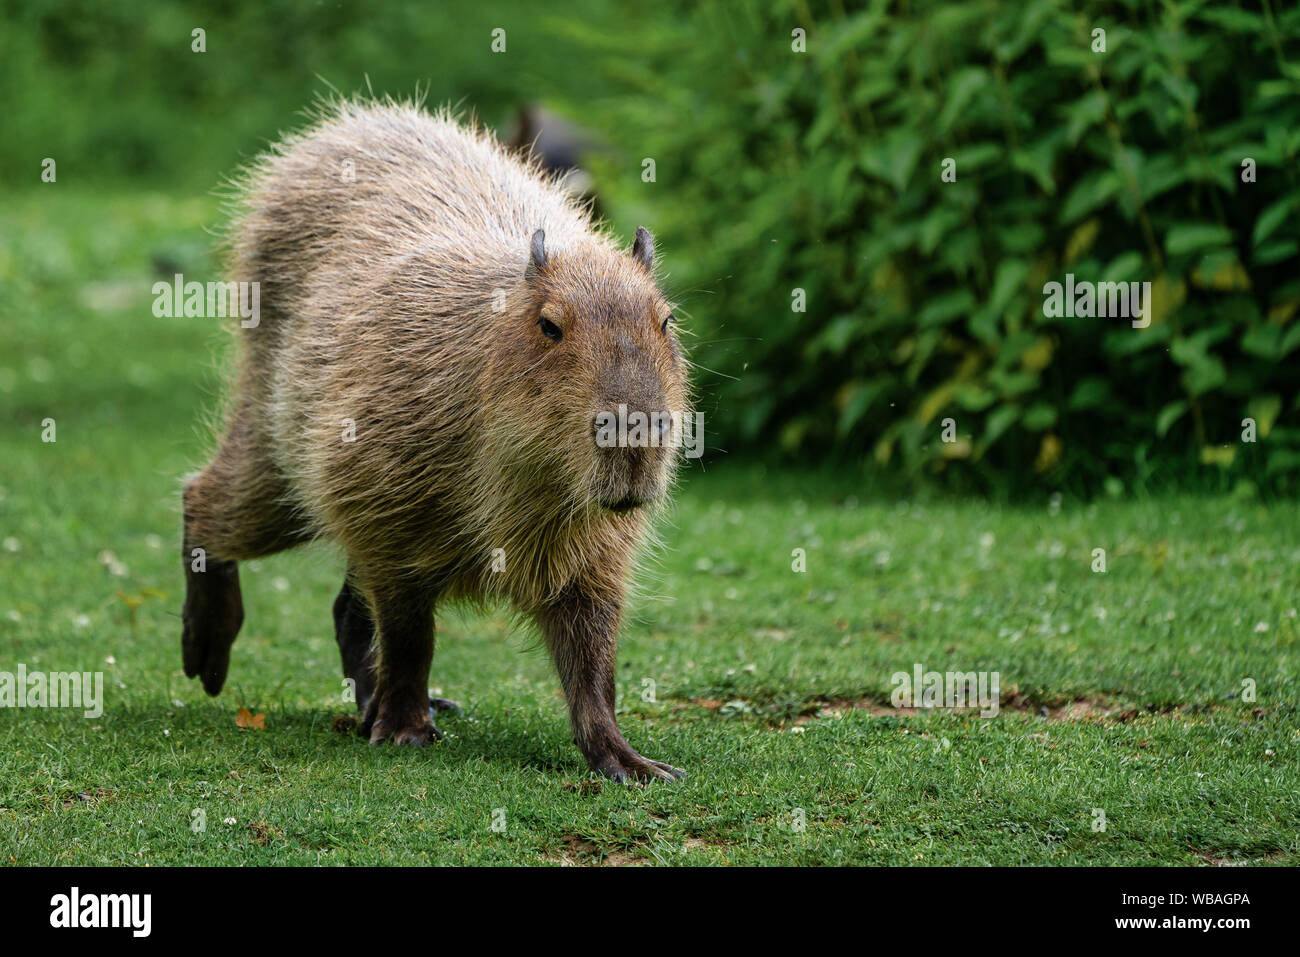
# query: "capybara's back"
[442,334]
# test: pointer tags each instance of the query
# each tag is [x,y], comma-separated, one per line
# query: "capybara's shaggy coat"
[440,328]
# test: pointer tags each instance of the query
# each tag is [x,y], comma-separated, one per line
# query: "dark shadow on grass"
[207,731]
[499,741]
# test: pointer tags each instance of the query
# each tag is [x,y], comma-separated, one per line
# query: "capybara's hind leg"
[213,612]
[235,509]
[398,709]
[354,630]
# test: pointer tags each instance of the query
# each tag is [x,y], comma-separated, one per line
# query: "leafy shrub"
[822,172]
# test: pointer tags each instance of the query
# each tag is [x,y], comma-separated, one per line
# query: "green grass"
[769,684]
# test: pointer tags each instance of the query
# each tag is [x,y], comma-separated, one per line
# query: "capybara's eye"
[664,327]
[550,329]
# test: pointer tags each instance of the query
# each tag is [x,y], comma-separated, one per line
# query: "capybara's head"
[592,379]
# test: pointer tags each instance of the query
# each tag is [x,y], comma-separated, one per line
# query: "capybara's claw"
[629,767]
[416,735]
[676,774]
[387,722]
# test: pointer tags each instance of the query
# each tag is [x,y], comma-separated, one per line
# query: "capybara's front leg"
[398,709]
[354,630]
[582,633]
[211,616]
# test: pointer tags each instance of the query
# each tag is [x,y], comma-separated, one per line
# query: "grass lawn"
[1122,692]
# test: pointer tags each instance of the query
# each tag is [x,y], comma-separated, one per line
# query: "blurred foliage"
[115,90]
[820,171]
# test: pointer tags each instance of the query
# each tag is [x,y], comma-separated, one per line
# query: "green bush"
[821,171]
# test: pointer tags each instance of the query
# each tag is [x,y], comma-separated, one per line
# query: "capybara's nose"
[631,380]
[627,427]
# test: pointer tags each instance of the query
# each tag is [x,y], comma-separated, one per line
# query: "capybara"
[441,330]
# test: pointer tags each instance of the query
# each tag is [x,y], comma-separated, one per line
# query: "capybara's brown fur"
[440,328]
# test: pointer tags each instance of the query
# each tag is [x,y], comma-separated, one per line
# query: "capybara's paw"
[628,766]
[388,720]
[210,620]
[206,638]
[416,735]
[412,732]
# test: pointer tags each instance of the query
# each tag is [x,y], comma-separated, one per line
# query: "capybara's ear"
[537,258]
[643,248]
